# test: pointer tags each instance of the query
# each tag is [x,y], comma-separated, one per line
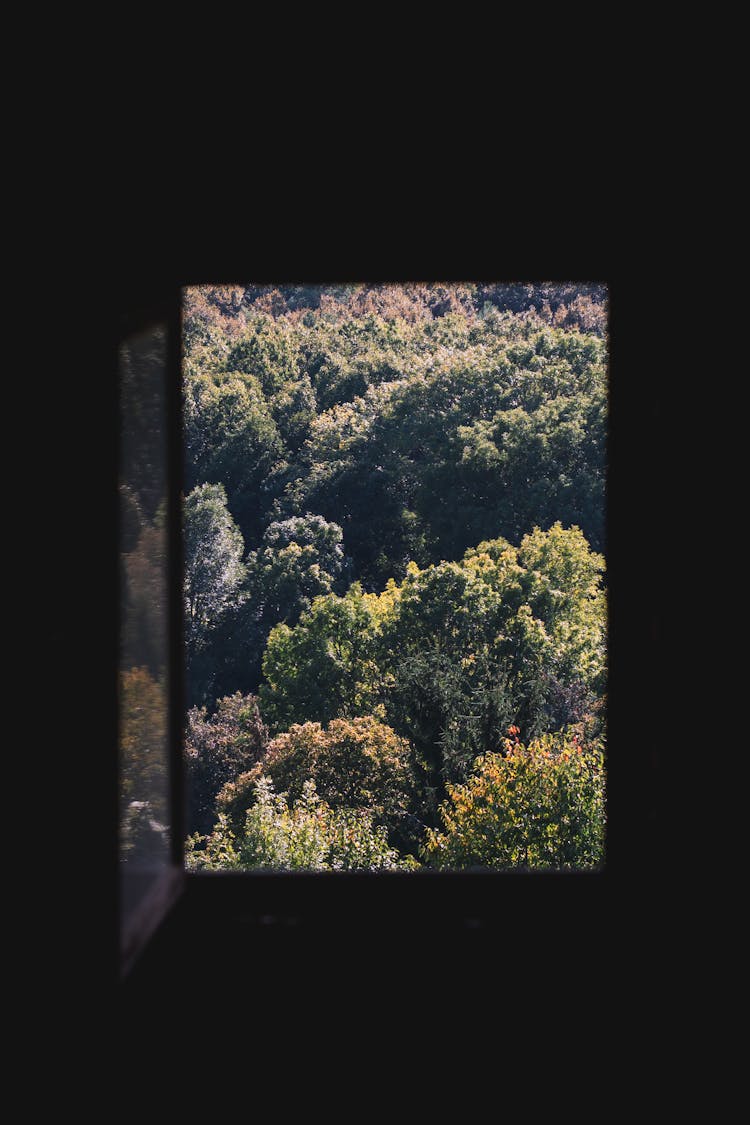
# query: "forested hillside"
[395,609]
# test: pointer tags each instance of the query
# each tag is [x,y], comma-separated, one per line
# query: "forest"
[395,612]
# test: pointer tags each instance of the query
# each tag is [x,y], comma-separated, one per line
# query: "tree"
[266,351]
[214,571]
[564,591]
[294,407]
[454,431]
[231,439]
[324,667]
[298,560]
[354,475]
[306,835]
[538,806]
[218,749]
[529,467]
[454,654]
[465,657]
[355,763]
[358,429]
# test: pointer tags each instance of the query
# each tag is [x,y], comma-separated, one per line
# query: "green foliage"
[355,763]
[266,352]
[231,439]
[214,571]
[298,560]
[410,416]
[294,407]
[564,592]
[213,852]
[528,466]
[324,667]
[471,432]
[537,806]
[217,749]
[454,653]
[469,654]
[306,835]
[418,474]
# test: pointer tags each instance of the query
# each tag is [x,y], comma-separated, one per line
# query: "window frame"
[386,901]
[140,310]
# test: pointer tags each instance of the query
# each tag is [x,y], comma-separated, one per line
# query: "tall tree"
[299,559]
[218,749]
[231,439]
[324,667]
[214,570]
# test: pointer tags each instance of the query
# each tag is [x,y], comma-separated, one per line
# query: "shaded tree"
[231,439]
[299,559]
[266,351]
[294,407]
[214,571]
[218,748]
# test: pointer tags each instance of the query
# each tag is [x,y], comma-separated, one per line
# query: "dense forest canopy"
[394,601]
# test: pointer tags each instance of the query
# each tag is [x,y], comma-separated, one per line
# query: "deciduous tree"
[535,806]
[355,763]
[218,748]
[214,570]
[306,835]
